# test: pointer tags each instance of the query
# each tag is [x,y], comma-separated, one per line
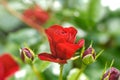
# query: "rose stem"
[61,70]
[36,72]
[80,71]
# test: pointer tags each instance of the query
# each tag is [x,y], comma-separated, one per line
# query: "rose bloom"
[8,66]
[62,44]
[36,15]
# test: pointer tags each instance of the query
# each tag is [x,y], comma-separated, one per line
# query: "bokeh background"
[95,20]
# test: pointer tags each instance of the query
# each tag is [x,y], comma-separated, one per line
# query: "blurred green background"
[95,20]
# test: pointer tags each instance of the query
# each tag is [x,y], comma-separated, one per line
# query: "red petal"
[71,34]
[41,16]
[9,64]
[49,57]
[1,71]
[55,28]
[81,42]
[53,37]
[28,14]
[66,50]
[60,34]
[52,44]
[55,33]
[36,15]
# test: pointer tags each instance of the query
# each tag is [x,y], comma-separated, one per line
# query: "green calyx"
[88,59]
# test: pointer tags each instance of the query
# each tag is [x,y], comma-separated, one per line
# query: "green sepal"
[88,59]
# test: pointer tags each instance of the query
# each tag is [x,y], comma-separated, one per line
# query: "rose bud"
[88,55]
[112,74]
[27,55]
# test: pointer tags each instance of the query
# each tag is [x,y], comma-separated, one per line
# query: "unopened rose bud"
[27,55]
[88,56]
[112,74]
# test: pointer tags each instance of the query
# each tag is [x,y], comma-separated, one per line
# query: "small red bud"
[111,74]
[89,55]
[27,55]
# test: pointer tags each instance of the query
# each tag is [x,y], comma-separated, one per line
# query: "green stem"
[80,71]
[61,70]
[37,73]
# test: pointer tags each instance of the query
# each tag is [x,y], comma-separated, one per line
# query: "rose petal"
[55,28]
[81,42]
[41,16]
[1,71]
[51,43]
[9,64]
[66,50]
[71,34]
[36,15]
[53,37]
[49,57]
[55,33]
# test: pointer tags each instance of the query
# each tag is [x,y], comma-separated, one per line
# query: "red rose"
[62,44]
[8,66]
[36,14]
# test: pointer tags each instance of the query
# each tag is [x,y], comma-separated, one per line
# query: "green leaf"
[29,36]
[41,65]
[7,21]
[94,9]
